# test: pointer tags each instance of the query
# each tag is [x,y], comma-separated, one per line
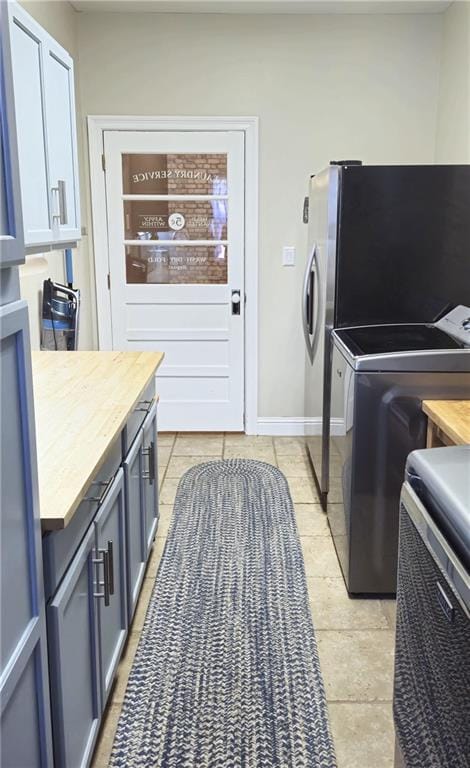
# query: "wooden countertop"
[82,401]
[452,417]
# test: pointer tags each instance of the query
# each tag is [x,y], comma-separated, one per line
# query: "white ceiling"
[261,6]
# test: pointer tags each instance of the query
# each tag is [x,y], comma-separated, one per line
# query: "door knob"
[236,299]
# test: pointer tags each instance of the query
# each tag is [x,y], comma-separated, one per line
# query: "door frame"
[97,124]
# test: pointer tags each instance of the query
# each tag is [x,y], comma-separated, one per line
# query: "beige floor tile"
[105,741]
[259,453]
[235,439]
[168,490]
[390,609]
[335,467]
[166,512]
[311,520]
[155,557]
[124,668]
[166,439]
[197,445]
[357,665]
[363,734]
[141,608]
[302,490]
[200,435]
[178,465]
[163,457]
[320,557]
[335,490]
[336,519]
[290,446]
[295,466]
[332,608]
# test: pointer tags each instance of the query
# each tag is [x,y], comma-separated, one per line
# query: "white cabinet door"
[61,142]
[28,73]
[46,127]
[11,220]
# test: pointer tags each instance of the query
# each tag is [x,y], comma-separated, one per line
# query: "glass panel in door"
[175,220]
[169,264]
[170,174]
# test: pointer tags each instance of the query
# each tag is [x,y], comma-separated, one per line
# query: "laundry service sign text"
[176,173]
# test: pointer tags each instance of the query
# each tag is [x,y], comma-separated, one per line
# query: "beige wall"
[61,21]
[324,87]
[453,118]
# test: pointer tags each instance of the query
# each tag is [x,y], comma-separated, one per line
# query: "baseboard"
[296,426]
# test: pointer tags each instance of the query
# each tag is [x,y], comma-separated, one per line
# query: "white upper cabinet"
[46,130]
[11,222]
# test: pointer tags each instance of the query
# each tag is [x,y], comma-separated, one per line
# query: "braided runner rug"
[226,674]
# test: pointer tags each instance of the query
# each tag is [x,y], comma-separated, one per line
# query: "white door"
[176,261]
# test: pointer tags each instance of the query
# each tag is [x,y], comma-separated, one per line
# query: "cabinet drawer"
[137,417]
[60,546]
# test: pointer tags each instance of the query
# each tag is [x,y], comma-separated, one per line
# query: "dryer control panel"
[457,324]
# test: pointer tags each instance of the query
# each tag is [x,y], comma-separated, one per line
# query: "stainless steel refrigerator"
[386,244]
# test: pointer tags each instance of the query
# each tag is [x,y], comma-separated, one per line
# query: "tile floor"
[355,637]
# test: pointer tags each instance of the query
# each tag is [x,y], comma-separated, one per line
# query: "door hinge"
[103,162]
[108,277]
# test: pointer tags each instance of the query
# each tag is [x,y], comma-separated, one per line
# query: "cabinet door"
[73,654]
[61,142]
[28,76]
[150,477]
[11,220]
[24,682]
[135,528]
[112,618]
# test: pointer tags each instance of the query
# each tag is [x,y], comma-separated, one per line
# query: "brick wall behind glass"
[198,215]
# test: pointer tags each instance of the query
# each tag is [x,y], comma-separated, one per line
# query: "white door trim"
[249,125]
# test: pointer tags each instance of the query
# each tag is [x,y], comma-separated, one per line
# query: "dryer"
[381,374]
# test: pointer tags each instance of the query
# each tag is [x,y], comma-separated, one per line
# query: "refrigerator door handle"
[307,302]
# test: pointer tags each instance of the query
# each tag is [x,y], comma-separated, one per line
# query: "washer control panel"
[457,324]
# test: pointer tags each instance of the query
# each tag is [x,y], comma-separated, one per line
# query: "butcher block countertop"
[451,418]
[82,401]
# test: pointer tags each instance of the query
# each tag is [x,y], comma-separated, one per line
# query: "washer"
[431,700]
[381,375]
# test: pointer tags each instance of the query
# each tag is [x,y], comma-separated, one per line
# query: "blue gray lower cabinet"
[24,684]
[111,549]
[87,621]
[94,587]
[72,623]
[135,523]
[150,476]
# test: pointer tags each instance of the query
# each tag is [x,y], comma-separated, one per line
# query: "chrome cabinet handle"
[98,499]
[150,452]
[145,403]
[62,202]
[104,561]
[60,191]
[111,567]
